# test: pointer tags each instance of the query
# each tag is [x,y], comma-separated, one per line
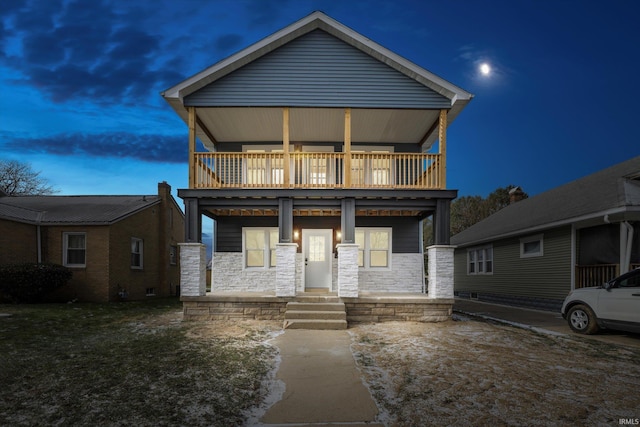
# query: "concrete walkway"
[323,385]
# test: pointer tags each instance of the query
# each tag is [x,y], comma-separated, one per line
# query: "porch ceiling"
[264,124]
[312,212]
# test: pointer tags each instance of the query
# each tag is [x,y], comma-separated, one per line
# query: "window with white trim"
[259,247]
[375,247]
[137,253]
[74,251]
[531,246]
[480,260]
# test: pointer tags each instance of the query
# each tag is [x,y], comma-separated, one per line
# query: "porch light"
[338,236]
[296,234]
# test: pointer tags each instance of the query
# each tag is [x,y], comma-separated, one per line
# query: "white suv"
[614,305]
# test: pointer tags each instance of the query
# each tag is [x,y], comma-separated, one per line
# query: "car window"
[633,281]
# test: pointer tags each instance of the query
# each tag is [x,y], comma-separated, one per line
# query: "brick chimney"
[164,191]
[515,195]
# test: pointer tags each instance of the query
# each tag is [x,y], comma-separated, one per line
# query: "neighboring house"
[118,247]
[535,251]
[325,151]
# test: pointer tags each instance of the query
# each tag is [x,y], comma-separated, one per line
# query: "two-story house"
[324,154]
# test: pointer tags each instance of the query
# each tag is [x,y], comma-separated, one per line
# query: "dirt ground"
[467,372]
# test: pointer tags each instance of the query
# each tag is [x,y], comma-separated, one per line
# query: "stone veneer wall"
[406,275]
[362,309]
[195,309]
[227,275]
[388,310]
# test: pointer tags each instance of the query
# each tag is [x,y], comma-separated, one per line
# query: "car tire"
[582,319]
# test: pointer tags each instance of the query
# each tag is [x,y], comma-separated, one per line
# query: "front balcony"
[317,170]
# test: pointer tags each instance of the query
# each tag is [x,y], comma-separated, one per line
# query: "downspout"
[39,237]
[626,257]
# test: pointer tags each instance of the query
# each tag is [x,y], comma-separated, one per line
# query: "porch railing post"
[192,146]
[347,148]
[285,147]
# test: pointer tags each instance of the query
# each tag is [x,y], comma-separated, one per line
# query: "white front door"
[316,248]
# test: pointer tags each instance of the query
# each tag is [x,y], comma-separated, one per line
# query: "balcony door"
[371,166]
[317,248]
[261,167]
[317,170]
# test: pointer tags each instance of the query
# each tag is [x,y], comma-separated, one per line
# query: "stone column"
[440,267]
[193,269]
[286,269]
[347,270]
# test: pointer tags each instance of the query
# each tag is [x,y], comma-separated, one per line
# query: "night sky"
[80,82]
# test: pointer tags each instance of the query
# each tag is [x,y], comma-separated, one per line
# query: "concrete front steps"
[315,315]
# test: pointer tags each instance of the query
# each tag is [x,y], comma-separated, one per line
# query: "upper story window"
[480,260]
[374,168]
[137,256]
[261,167]
[259,247]
[74,249]
[375,247]
[531,246]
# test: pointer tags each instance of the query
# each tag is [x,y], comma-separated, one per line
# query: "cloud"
[145,147]
[80,50]
[228,42]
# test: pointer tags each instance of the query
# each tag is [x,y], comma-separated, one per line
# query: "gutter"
[39,236]
[624,268]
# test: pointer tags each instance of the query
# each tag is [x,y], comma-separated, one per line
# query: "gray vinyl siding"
[405,235]
[548,276]
[317,70]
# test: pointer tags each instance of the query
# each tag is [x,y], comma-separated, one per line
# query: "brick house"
[324,154]
[118,247]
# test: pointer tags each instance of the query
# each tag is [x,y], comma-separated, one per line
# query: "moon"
[485,69]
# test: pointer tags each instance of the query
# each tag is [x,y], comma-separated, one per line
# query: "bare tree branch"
[19,179]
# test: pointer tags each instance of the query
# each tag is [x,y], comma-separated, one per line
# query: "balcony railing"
[317,170]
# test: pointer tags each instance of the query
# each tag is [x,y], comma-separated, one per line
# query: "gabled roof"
[73,210]
[613,192]
[175,96]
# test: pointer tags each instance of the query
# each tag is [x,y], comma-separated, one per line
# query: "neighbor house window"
[375,247]
[74,249]
[137,249]
[531,246]
[259,247]
[480,260]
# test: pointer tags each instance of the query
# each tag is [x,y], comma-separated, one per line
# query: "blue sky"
[81,82]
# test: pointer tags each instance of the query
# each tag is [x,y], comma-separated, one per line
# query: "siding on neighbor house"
[318,70]
[547,277]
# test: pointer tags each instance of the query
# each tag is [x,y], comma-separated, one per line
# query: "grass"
[124,364]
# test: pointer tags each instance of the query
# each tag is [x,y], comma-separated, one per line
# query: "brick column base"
[440,268]
[347,270]
[286,269]
[193,269]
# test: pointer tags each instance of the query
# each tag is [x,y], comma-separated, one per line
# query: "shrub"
[27,283]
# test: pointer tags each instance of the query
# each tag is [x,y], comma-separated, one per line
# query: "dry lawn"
[475,373]
[139,364]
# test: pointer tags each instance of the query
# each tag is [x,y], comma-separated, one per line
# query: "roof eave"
[551,225]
